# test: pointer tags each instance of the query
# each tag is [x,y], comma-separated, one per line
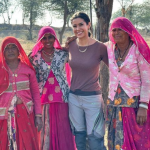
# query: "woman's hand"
[38,122]
[69,39]
[141,116]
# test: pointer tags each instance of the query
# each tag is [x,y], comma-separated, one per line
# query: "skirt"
[56,133]
[26,132]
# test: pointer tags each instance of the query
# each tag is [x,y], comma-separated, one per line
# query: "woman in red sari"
[20,106]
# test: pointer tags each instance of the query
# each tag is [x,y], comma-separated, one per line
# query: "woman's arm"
[105,55]
[144,69]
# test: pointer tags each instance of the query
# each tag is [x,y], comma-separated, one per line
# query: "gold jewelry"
[48,53]
[121,57]
[49,56]
[82,51]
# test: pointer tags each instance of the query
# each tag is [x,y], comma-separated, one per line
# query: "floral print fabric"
[114,115]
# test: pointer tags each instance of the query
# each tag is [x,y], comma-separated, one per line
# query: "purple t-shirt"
[86,66]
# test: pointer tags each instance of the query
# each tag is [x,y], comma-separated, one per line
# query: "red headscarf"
[38,46]
[4,77]
[126,25]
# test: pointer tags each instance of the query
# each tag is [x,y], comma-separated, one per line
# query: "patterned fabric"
[4,77]
[126,25]
[57,67]
[23,83]
[56,133]
[132,75]
[114,114]
[12,124]
[51,92]
[26,132]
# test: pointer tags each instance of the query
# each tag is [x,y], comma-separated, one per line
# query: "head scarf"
[38,46]
[126,25]
[4,77]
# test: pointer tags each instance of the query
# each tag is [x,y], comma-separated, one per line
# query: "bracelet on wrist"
[38,115]
[143,105]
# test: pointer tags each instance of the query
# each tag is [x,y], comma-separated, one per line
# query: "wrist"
[143,105]
[38,115]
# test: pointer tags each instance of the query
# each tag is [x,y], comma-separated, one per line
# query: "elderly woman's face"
[48,41]
[11,52]
[119,35]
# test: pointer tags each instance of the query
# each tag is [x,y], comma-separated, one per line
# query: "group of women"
[35,91]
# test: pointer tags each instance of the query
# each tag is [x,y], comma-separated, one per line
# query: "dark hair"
[83,16]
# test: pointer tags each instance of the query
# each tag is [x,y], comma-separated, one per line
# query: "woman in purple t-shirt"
[85,97]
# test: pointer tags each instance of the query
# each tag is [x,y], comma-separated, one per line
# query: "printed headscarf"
[4,77]
[44,30]
[126,25]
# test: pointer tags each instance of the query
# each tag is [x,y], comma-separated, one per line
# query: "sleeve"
[35,67]
[35,93]
[144,68]
[104,55]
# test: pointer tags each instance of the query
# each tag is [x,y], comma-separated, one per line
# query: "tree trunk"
[103,11]
[65,22]
[31,21]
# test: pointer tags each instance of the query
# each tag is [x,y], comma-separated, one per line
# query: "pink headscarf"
[126,25]
[38,46]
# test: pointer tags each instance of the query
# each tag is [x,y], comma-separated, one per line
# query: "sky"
[17,16]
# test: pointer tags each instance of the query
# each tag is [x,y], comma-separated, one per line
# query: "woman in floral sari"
[20,104]
[49,62]
[129,88]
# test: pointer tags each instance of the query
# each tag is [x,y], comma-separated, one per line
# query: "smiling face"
[11,52]
[119,35]
[48,41]
[80,27]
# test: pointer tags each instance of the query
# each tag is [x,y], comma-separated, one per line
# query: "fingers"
[38,123]
[141,120]
[39,126]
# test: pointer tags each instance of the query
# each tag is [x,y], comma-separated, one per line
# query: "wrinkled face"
[80,27]
[119,35]
[48,41]
[11,52]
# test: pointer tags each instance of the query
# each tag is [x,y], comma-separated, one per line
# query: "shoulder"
[25,68]
[61,52]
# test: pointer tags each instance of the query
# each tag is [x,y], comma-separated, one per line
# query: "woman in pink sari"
[49,62]
[129,88]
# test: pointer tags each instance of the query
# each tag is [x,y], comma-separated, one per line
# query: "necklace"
[48,53]
[121,57]
[82,51]
[49,56]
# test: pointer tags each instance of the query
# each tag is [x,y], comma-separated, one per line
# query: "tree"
[103,9]
[64,9]
[126,5]
[32,10]
[7,8]
[139,14]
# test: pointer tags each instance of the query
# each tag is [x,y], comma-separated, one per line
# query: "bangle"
[143,105]
[38,115]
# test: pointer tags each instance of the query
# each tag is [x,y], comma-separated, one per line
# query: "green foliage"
[32,9]
[57,6]
[139,14]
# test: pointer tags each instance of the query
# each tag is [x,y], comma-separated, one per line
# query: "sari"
[123,130]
